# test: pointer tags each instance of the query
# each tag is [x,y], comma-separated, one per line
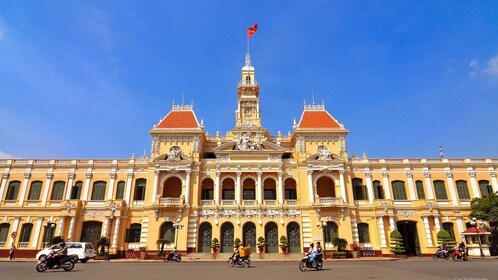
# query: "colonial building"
[245,184]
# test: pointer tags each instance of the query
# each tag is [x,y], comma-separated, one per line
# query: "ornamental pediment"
[175,155]
[237,146]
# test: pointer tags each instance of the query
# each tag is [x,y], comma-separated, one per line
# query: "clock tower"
[248,113]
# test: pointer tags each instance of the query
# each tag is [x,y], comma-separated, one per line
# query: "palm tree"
[102,242]
[340,243]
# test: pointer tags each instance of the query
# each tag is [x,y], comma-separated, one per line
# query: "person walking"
[12,252]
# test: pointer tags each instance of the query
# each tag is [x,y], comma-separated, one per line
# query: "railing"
[206,202]
[291,202]
[228,202]
[328,200]
[270,202]
[138,203]
[2,244]
[249,202]
[169,200]
[23,244]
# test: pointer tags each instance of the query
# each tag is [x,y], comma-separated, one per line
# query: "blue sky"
[89,79]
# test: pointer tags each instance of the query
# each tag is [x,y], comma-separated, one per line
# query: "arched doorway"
[249,236]
[271,237]
[294,238]
[91,232]
[172,187]
[227,238]
[325,187]
[205,237]
[168,233]
[408,230]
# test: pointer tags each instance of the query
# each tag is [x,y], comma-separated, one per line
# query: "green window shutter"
[357,188]
[483,186]
[4,231]
[440,190]
[420,189]
[99,190]
[378,191]
[13,190]
[76,190]
[363,234]
[399,191]
[35,190]
[57,190]
[463,190]
[26,232]
[365,192]
[120,190]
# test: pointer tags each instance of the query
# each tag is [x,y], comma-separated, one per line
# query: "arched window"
[420,189]
[463,190]
[325,187]
[228,189]
[76,190]
[248,80]
[378,190]
[331,231]
[359,190]
[35,190]
[58,190]
[98,192]
[248,189]
[140,189]
[13,190]
[172,187]
[290,189]
[207,190]
[133,233]
[120,190]
[4,231]
[399,191]
[485,187]
[440,190]
[26,232]
[363,233]
[168,233]
[270,189]
[449,228]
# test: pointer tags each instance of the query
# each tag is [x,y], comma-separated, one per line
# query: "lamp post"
[49,231]
[474,223]
[113,209]
[177,226]
[323,225]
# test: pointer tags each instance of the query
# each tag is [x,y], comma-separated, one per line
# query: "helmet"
[311,245]
[318,243]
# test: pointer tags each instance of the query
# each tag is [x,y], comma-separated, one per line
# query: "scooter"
[457,255]
[306,262]
[173,257]
[50,262]
[241,261]
[441,255]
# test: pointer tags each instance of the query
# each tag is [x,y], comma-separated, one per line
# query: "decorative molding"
[93,212]
[385,174]
[206,214]
[249,141]
[27,175]
[323,153]
[130,175]
[406,212]
[88,175]
[175,154]
[292,213]
[113,175]
[449,174]
[227,214]
[50,175]
[5,175]
[249,214]
[71,175]
[271,213]
[223,157]
[409,174]
[492,173]
[427,174]
[472,174]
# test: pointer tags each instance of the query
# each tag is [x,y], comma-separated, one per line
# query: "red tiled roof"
[317,119]
[179,119]
[473,230]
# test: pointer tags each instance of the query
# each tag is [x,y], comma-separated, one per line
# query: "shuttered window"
[440,190]
[399,191]
[420,189]
[58,190]
[35,190]
[98,192]
[463,190]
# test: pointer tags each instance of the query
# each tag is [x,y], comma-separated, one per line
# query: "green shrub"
[215,243]
[444,238]
[236,242]
[261,242]
[397,242]
[338,253]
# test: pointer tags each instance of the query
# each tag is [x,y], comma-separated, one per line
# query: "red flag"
[252,30]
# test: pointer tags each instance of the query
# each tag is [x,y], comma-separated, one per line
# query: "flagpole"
[247,44]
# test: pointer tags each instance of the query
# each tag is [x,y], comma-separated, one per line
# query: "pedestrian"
[12,252]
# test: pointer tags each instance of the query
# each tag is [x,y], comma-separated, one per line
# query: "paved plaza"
[410,269]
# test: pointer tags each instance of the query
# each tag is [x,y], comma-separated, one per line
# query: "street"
[414,268]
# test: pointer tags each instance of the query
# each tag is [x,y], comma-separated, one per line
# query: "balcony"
[270,202]
[249,202]
[207,202]
[23,245]
[228,202]
[291,202]
[171,201]
[329,201]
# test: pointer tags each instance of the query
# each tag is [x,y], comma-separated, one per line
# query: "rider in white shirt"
[312,253]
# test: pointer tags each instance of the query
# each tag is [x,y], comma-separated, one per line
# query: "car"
[84,250]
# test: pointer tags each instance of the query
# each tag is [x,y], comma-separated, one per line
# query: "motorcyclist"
[236,253]
[461,248]
[172,253]
[312,254]
[60,254]
[319,251]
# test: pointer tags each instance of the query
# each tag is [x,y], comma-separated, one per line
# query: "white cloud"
[5,155]
[473,68]
[492,67]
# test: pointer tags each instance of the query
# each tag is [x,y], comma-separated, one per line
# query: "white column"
[260,188]
[354,230]
[37,231]
[473,183]
[217,188]
[47,188]
[494,182]
[343,186]
[116,231]
[71,228]
[370,191]
[237,188]
[427,231]
[411,186]
[280,189]
[310,187]
[451,186]
[428,183]
[60,229]
[437,223]
[392,225]
[86,188]
[104,228]
[5,176]
[459,221]
[385,180]
[110,191]
[14,228]
[128,186]
[187,188]
[24,188]
[70,179]
[154,186]
[382,231]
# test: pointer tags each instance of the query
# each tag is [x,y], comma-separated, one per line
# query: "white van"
[84,250]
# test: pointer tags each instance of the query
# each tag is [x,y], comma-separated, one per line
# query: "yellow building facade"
[245,184]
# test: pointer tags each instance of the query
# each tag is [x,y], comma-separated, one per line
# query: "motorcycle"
[458,255]
[241,261]
[173,257]
[441,255]
[50,262]
[306,262]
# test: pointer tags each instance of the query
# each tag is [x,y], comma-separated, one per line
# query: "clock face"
[248,111]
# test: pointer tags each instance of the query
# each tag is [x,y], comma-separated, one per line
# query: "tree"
[103,242]
[340,243]
[444,238]
[493,242]
[236,242]
[397,242]
[485,208]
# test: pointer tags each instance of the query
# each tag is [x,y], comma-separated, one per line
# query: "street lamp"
[474,223]
[49,232]
[323,225]
[113,209]
[177,226]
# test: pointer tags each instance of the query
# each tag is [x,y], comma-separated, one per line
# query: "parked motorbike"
[173,257]
[241,261]
[306,262]
[457,255]
[441,255]
[51,262]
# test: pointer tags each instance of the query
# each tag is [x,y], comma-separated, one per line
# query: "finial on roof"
[294,121]
[441,155]
[133,156]
[312,97]
[183,97]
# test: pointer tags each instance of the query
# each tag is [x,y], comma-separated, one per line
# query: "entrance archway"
[271,236]
[294,238]
[91,232]
[227,238]
[205,236]
[249,236]
[408,230]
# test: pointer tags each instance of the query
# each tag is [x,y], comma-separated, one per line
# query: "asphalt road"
[411,269]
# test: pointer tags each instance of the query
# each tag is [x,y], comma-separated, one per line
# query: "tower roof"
[181,116]
[315,116]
